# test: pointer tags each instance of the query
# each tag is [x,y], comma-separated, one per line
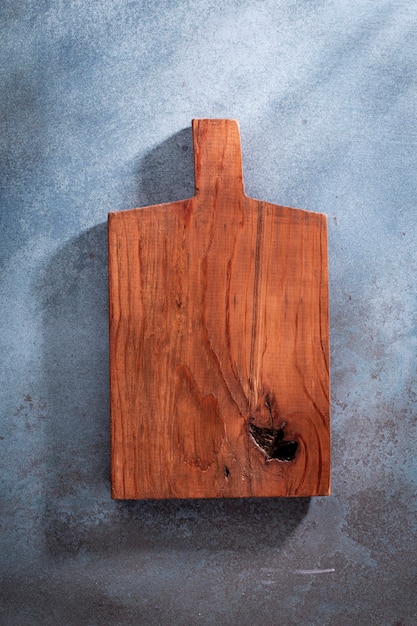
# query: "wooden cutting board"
[219,340]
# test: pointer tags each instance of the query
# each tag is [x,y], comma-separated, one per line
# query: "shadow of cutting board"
[219,340]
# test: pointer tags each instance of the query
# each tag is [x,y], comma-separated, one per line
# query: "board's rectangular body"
[219,340]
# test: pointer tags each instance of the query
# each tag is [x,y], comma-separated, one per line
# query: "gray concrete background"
[96,103]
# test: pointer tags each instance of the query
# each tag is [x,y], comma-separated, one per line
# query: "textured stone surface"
[95,106]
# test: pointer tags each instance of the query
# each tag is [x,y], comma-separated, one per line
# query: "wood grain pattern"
[219,340]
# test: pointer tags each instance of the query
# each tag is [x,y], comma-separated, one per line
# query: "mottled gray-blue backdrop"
[96,102]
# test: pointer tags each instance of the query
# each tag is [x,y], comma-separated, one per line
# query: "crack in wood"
[271,440]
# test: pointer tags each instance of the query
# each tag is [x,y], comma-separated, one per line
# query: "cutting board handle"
[217,157]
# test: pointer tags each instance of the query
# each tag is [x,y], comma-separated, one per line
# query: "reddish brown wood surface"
[219,340]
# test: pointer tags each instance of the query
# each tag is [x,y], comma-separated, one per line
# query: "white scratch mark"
[271,570]
[315,571]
